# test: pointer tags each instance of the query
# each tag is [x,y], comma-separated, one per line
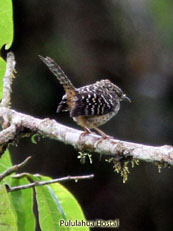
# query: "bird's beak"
[124,97]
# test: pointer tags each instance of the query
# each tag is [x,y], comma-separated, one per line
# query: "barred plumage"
[61,76]
[58,72]
[96,99]
[90,106]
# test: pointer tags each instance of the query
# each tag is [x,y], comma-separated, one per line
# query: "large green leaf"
[8,220]
[49,209]
[70,205]
[5,163]
[6,33]
[21,201]
[57,203]
[23,204]
[6,23]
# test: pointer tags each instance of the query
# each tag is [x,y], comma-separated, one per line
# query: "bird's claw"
[105,137]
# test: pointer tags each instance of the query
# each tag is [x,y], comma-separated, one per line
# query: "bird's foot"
[104,137]
[86,132]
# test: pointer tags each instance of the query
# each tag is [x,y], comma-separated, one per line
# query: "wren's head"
[114,89]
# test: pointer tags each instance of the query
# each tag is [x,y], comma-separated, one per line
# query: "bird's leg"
[103,137]
[100,132]
[86,132]
[81,120]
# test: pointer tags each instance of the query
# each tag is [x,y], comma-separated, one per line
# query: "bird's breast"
[95,121]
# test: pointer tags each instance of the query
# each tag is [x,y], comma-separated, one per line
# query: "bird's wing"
[90,104]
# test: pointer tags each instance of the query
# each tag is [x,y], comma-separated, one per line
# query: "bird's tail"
[59,73]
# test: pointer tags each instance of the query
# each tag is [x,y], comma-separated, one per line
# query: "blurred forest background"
[129,42]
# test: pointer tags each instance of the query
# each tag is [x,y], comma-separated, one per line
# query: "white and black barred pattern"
[96,99]
[58,72]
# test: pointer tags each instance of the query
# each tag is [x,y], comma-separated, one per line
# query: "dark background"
[131,43]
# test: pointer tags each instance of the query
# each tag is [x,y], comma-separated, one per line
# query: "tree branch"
[7,80]
[13,168]
[88,143]
[40,183]
[7,134]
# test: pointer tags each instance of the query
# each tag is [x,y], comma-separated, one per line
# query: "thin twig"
[7,80]
[40,183]
[13,168]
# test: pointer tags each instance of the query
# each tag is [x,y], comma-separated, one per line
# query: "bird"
[90,106]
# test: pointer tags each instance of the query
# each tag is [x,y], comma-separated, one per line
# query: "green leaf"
[7,215]
[6,24]
[23,204]
[21,201]
[5,163]
[68,207]
[6,33]
[33,138]
[49,210]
